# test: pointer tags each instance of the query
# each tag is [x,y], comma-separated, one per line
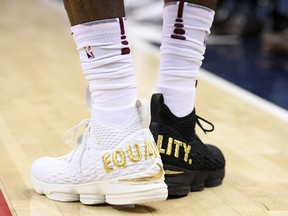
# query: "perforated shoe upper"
[104,152]
[177,141]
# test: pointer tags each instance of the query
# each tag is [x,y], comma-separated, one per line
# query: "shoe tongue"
[143,111]
[157,104]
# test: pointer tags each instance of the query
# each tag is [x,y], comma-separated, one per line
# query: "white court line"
[244,95]
[223,84]
[205,75]
[277,111]
[152,33]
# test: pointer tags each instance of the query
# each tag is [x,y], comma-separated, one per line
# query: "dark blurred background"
[248,45]
[251,48]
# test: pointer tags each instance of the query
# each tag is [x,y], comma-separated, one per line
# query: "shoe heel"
[63,197]
[178,190]
[92,199]
[159,194]
[178,185]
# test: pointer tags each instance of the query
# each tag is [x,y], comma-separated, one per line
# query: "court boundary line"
[244,94]
[4,207]
[206,75]
[221,83]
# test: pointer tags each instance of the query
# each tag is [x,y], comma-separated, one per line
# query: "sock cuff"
[100,29]
[197,14]
[188,22]
[191,5]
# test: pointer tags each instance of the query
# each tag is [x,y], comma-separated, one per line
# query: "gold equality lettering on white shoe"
[116,165]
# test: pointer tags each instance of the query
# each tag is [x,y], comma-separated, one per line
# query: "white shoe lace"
[142,106]
[84,122]
[81,139]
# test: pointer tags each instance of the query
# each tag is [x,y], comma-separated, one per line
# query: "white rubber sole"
[111,192]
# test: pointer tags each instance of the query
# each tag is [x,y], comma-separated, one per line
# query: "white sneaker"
[114,165]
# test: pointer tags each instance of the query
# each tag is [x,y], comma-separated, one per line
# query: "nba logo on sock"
[89,52]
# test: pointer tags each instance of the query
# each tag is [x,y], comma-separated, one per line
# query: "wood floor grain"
[43,94]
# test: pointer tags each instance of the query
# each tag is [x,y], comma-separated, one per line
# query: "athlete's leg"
[115,160]
[206,3]
[99,28]
[84,11]
[190,165]
[186,25]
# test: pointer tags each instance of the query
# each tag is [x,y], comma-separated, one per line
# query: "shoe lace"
[81,139]
[198,118]
[74,129]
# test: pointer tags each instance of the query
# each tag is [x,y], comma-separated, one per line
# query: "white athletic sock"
[107,65]
[185,30]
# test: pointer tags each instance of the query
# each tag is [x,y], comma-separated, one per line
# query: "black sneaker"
[189,164]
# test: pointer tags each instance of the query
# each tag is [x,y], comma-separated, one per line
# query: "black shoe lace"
[198,118]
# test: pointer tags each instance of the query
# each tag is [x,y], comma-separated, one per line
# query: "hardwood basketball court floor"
[43,94]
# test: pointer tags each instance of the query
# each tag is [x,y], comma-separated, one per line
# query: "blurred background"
[248,45]
[43,90]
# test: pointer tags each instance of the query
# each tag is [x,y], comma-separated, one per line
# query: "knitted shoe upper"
[177,142]
[104,152]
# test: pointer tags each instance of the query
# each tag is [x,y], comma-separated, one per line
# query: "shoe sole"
[103,192]
[181,181]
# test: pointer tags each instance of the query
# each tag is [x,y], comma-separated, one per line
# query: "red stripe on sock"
[4,209]
[180,9]
[125,50]
[179,26]
[122,29]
